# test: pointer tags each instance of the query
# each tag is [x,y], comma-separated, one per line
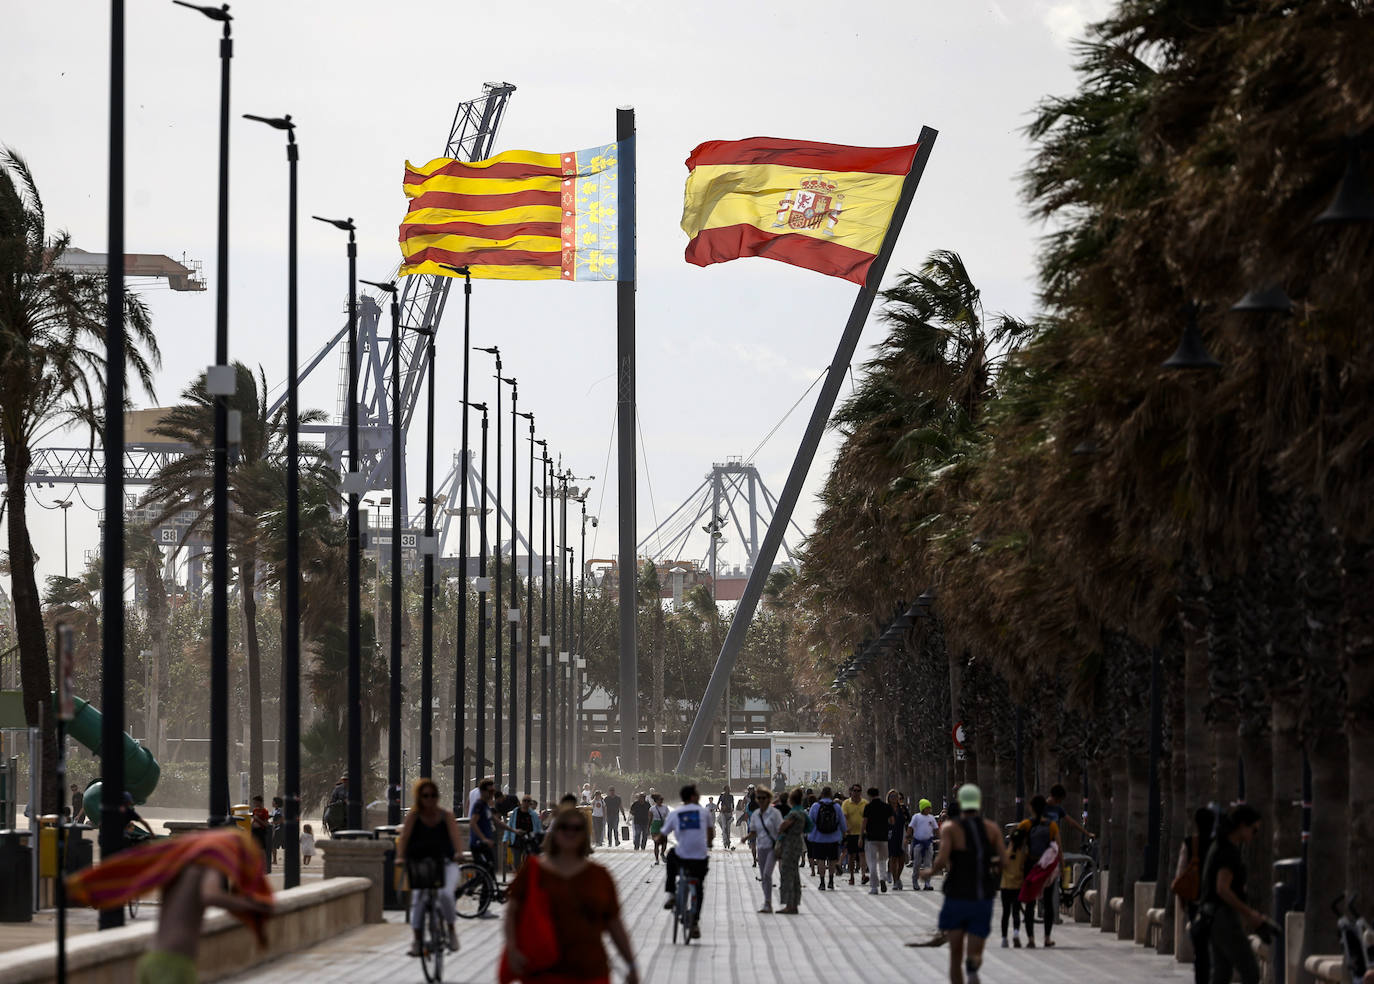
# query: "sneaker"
[668,902]
[1049,942]
[1005,944]
[882,886]
[696,933]
[897,885]
[766,908]
[929,887]
[872,891]
[864,882]
[453,940]
[1030,944]
[1016,943]
[832,883]
[851,879]
[414,950]
[821,886]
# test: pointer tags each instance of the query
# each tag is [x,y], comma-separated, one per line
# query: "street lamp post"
[427,619]
[575,697]
[495,350]
[564,652]
[393,773]
[482,587]
[219,384]
[64,506]
[513,612]
[461,670]
[545,646]
[582,598]
[353,485]
[529,620]
[290,754]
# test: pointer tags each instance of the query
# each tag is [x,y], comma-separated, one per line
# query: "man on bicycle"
[694,829]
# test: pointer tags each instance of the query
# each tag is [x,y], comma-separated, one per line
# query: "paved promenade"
[848,932]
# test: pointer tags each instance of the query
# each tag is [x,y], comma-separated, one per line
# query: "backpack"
[1039,841]
[827,818]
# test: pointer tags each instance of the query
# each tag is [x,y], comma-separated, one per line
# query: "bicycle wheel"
[428,954]
[438,939]
[475,890]
[689,902]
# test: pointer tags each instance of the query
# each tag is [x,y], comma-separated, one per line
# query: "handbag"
[534,932]
[1187,884]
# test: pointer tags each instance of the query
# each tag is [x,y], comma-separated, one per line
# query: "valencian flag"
[519,215]
[822,206]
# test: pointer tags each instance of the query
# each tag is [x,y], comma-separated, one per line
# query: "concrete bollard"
[1144,901]
[359,859]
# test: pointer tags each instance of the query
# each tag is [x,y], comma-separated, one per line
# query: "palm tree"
[52,371]
[255,487]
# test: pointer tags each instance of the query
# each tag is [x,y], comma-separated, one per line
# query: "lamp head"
[220,13]
[1191,352]
[506,380]
[527,416]
[278,122]
[475,406]
[345,224]
[493,350]
[462,271]
[389,286]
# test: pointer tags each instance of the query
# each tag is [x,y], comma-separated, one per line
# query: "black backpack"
[1038,841]
[828,817]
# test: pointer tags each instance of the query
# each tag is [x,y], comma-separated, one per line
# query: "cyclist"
[694,829]
[431,833]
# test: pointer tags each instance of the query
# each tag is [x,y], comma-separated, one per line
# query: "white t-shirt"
[658,812]
[923,827]
[473,797]
[764,825]
[690,821]
[598,808]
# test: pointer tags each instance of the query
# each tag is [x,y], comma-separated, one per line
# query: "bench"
[1326,967]
[301,918]
[1154,926]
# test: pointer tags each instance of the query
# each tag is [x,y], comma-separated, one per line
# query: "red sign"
[959,735]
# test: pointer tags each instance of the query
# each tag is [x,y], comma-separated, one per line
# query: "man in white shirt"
[475,793]
[694,828]
[920,836]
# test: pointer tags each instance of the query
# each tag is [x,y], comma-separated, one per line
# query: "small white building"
[803,757]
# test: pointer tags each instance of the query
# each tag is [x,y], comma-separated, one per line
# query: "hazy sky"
[724,351]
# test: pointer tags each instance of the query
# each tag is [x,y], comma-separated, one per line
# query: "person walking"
[1013,873]
[1043,851]
[854,825]
[921,830]
[808,801]
[1224,904]
[277,819]
[262,830]
[430,846]
[639,820]
[726,804]
[789,848]
[779,784]
[971,851]
[878,818]
[307,844]
[560,906]
[615,814]
[78,807]
[896,853]
[1191,856]
[524,820]
[598,818]
[828,823]
[1056,811]
[763,836]
[658,814]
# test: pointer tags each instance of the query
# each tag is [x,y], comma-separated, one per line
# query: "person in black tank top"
[431,834]
[972,854]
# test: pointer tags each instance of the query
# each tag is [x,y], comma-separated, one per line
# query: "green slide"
[141,771]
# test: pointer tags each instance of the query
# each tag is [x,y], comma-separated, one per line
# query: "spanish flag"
[822,206]
[519,215]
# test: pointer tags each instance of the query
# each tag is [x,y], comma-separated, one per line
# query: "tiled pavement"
[845,933]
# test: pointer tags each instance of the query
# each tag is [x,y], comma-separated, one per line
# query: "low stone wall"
[304,916]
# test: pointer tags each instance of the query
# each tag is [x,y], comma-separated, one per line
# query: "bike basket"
[426,873]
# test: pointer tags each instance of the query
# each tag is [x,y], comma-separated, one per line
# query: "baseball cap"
[970,797]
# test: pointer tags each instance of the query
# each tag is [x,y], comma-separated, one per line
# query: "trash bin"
[391,897]
[242,816]
[354,835]
[80,853]
[16,873]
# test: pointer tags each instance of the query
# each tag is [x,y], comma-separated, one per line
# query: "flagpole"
[625,422]
[806,453]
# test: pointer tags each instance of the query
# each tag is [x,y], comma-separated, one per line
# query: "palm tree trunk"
[253,659]
[1223,706]
[35,679]
[1118,793]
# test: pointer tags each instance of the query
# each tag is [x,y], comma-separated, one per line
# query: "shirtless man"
[172,960]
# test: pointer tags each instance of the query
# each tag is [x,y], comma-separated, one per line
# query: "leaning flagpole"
[801,465]
[625,422]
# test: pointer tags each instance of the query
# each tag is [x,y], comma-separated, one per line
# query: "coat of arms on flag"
[813,204]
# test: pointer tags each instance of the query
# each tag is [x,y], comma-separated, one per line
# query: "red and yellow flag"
[822,206]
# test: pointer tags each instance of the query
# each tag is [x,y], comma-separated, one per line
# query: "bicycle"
[477,887]
[687,907]
[427,878]
[1087,877]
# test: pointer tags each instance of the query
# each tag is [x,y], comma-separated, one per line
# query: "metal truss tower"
[732,493]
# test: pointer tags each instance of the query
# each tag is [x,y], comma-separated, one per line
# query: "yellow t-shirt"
[1014,871]
[854,817]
